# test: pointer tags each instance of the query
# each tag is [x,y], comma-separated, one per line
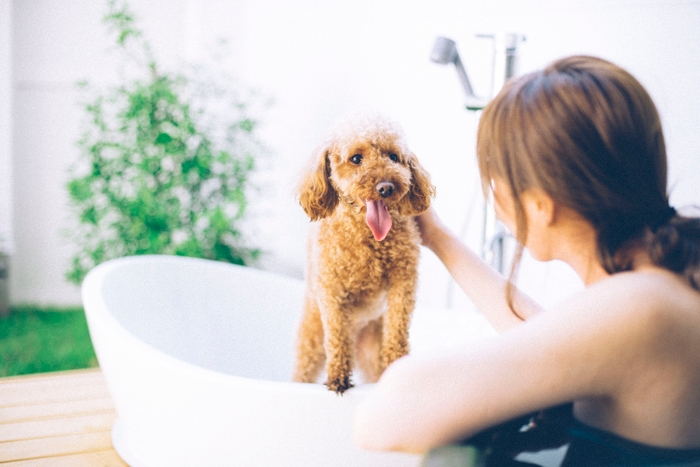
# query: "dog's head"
[367,164]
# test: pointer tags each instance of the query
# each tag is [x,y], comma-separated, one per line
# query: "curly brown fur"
[361,281]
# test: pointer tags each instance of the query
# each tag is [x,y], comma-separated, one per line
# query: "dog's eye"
[356,159]
[394,157]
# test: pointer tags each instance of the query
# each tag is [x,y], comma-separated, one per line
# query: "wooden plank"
[61,386]
[61,419]
[55,446]
[85,373]
[55,409]
[56,427]
[92,459]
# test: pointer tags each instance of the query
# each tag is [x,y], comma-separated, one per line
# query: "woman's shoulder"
[619,321]
[628,321]
[650,299]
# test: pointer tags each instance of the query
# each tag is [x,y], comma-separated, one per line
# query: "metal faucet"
[444,52]
[504,66]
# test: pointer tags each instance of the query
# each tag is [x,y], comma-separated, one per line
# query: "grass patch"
[38,340]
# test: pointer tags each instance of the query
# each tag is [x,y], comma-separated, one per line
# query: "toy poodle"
[363,189]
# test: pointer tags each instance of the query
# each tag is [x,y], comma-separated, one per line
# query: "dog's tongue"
[378,219]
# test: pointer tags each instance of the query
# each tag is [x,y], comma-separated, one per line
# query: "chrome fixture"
[504,62]
[444,52]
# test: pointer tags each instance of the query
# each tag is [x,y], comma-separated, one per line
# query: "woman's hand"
[485,286]
[430,227]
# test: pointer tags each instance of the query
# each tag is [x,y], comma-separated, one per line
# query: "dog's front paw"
[340,384]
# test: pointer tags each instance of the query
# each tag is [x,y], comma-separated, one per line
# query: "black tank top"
[556,428]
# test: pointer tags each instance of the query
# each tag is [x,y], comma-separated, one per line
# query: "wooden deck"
[60,419]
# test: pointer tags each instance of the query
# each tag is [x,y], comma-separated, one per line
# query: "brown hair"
[587,133]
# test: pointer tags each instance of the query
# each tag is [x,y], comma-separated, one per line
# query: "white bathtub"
[197,356]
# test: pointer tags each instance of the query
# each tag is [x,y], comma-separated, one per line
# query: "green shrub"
[165,162]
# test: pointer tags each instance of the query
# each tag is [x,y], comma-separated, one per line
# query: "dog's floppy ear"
[422,191]
[316,193]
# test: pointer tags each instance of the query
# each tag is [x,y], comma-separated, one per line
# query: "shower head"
[444,52]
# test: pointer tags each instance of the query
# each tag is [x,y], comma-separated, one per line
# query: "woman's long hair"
[587,133]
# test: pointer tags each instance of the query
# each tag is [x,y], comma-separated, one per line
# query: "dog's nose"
[385,189]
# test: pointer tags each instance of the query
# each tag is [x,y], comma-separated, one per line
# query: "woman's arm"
[484,286]
[590,346]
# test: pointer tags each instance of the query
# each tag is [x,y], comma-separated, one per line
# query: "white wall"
[54,45]
[5,125]
[320,60]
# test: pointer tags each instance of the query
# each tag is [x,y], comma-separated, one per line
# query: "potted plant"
[165,162]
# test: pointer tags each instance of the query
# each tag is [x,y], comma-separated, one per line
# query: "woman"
[575,159]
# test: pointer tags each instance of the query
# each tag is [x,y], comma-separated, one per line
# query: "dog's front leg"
[397,319]
[310,354]
[338,344]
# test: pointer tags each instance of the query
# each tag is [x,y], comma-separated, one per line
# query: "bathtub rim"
[98,314]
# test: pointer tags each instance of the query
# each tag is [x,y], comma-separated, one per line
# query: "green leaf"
[90,216]
[246,125]
[80,190]
[163,138]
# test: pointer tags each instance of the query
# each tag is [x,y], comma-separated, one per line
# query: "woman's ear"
[540,208]
[545,220]
[421,192]
[316,193]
